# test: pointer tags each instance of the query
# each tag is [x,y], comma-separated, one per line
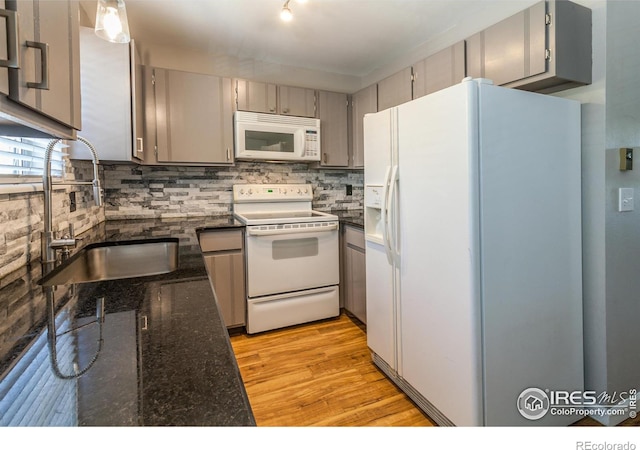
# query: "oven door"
[292,257]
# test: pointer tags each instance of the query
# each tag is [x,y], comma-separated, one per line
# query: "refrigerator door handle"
[385,216]
[392,215]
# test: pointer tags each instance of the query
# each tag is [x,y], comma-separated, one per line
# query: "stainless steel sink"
[112,261]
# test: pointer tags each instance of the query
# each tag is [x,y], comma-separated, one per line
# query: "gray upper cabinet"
[439,71]
[295,101]
[545,48]
[332,111]
[256,97]
[48,34]
[36,100]
[395,89]
[362,102]
[112,103]
[7,20]
[259,97]
[194,118]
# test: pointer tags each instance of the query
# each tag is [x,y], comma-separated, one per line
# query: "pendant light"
[111,21]
[286,13]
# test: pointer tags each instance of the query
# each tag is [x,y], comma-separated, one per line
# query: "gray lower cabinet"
[395,89]
[440,70]
[545,48]
[362,102]
[34,95]
[334,126]
[354,272]
[224,257]
[193,118]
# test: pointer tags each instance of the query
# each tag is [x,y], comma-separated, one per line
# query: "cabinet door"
[512,49]
[226,271]
[295,101]
[332,111]
[256,97]
[395,90]
[137,104]
[48,36]
[355,273]
[439,71]
[106,99]
[363,102]
[4,45]
[194,117]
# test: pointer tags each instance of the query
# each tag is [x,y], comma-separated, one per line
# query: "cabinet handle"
[145,323]
[13,52]
[285,111]
[139,145]
[324,158]
[44,67]
[228,154]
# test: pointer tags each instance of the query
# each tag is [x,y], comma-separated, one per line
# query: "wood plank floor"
[321,374]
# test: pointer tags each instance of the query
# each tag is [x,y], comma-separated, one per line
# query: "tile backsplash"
[21,217]
[133,191]
[170,191]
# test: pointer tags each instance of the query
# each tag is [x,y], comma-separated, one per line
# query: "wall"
[22,215]
[611,240]
[622,229]
[159,191]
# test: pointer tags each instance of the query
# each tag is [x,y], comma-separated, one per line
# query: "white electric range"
[292,256]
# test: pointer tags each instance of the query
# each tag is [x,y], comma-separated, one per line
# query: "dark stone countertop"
[353,217]
[164,357]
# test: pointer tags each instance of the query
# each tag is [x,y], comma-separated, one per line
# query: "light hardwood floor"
[321,374]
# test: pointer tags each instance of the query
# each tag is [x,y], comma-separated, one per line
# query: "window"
[22,159]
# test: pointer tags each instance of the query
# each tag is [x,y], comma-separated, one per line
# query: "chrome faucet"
[49,241]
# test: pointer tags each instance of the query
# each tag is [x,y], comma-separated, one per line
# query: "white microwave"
[273,137]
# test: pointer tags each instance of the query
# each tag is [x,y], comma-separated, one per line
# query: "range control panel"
[272,193]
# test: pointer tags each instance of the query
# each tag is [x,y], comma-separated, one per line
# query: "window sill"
[20,188]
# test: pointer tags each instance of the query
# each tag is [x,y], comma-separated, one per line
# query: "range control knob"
[241,191]
[250,191]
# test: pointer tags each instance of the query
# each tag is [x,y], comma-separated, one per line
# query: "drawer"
[215,241]
[354,237]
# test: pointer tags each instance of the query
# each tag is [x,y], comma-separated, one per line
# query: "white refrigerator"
[473,251]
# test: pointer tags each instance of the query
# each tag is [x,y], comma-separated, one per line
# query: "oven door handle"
[281,231]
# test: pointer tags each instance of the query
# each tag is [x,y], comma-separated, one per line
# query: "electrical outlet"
[72,202]
[349,189]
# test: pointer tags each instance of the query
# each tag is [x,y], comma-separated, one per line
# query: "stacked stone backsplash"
[22,215]
[133,191]
[170,191]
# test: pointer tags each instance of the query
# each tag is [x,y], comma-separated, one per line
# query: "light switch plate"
[625,199]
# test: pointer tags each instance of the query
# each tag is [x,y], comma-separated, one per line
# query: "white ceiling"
[349,37]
